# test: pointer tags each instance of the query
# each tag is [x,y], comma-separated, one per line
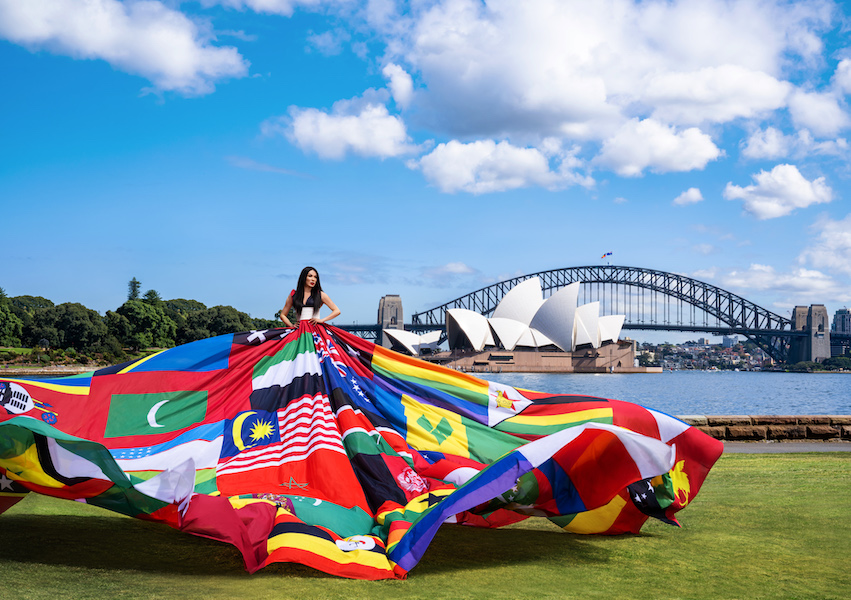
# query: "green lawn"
[764,526]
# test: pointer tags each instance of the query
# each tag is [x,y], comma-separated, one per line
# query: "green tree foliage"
[218,320]
[838,362]
[806,367]
[25,307]
[149,325]
[68,325]
[118,326]
[31,303]
[183,306]
[152,297]
[133,287]
[11,326]
[267,323]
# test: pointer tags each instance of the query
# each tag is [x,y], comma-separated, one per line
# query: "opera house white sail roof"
[524,319]
[414,343]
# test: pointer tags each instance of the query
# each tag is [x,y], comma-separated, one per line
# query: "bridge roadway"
[651,300]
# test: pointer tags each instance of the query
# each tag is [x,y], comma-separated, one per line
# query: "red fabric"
[247,528]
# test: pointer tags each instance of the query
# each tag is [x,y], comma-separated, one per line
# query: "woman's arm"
[326,301]
[285,311]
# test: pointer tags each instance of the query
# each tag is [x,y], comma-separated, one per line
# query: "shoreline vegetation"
[36,333]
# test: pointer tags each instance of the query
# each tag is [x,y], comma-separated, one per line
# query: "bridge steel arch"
[732,313]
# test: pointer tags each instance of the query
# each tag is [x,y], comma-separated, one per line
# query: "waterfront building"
[529,333]
[524,319]
[842,321]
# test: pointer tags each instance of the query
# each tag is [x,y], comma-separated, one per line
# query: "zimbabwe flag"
[314,446]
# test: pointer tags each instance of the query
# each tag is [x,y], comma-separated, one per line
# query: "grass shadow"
[111,543]
[118,544]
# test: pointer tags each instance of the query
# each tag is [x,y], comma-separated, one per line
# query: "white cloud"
[450,274]
[778,192]
[142,38]
[400,83]
[704,249]
[576,68]
[453,268]
[797,285]
[485,166]
[276,7]
[767,143]
[716,94]
[329,43]
[820,113]
[842,76]
[648,144]
[690,196]
[771,143]
[366,129]
[704,274]
[831,250]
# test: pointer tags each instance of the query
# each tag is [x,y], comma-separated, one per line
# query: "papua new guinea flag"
[314,446]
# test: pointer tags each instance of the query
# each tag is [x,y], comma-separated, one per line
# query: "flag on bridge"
[314,446]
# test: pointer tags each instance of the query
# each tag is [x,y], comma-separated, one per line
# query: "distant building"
[730,341]
[842,321]
[389,316]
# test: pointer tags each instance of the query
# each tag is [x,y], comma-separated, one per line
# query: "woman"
[307,299]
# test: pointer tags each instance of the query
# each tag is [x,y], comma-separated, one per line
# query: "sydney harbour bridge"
[650,300]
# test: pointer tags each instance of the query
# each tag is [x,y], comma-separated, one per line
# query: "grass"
[763,526]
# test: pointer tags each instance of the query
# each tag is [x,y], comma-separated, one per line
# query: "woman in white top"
[307,299]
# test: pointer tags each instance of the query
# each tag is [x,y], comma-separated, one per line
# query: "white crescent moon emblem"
[152,414]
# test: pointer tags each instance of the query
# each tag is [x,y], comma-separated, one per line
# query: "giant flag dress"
[314,446]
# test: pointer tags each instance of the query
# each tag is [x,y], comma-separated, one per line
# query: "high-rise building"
[842,321]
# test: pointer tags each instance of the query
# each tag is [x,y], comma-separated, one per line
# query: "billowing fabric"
[314,446]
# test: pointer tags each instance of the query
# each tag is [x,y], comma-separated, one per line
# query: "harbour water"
[702,392]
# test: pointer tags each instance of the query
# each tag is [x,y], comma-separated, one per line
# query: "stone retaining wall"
[743,428]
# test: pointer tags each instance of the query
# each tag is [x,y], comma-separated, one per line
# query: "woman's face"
[310,281]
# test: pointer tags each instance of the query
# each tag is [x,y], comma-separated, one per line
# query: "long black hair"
[316,294]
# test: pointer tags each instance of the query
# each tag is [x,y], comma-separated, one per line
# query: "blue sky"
[212,149]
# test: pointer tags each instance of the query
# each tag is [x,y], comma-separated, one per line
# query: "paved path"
[784,447]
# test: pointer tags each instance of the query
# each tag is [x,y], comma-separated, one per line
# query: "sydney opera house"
[528,333]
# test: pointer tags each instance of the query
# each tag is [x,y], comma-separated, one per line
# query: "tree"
[11,327]
[838,362]
[68,325]
[149,325]
[217,320]
[183,306]
[118,326]
[133,289]
[31,303]
[152,297]
[226,319]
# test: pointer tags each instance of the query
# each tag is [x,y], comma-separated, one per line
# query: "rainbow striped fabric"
[314,446]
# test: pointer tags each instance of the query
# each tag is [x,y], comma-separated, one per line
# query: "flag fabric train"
[314,446]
